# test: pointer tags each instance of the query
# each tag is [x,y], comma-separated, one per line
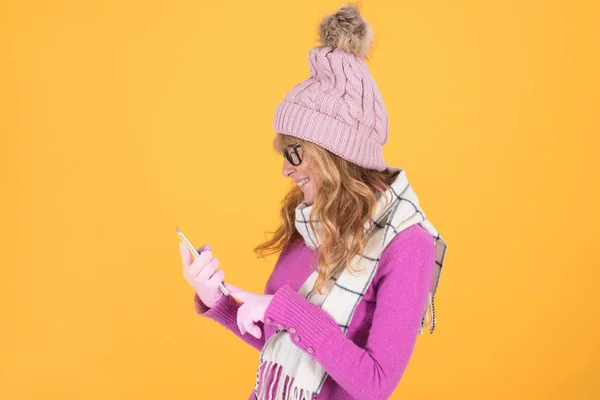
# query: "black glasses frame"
[294,148]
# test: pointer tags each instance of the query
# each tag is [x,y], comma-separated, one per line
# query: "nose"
[287,168]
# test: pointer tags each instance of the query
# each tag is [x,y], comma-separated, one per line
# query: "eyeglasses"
[294,157]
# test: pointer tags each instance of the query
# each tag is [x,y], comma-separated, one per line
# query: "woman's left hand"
[253,310]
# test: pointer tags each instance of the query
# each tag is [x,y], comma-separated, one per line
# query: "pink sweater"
[369,361]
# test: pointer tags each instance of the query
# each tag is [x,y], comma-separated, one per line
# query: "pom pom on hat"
[347,30]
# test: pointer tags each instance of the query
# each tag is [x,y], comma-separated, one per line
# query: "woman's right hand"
[200,273]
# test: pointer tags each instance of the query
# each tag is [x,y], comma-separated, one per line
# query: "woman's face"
[301,174]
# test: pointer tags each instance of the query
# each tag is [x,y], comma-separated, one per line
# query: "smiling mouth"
[303,182]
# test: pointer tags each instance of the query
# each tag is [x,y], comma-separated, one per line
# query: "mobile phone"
[196,255]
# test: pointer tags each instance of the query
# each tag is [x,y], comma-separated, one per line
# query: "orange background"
[122,119]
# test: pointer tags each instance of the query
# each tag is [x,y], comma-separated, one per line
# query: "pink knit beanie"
[339,106]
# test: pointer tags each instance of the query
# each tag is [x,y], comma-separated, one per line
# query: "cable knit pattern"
[339,107]
[370,360]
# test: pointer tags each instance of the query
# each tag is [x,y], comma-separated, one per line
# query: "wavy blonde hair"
[346,197]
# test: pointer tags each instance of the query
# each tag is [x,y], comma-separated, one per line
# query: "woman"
[359,263]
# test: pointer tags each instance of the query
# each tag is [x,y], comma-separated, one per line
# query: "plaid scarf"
[343,292]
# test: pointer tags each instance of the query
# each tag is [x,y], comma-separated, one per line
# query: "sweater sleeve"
[372,372]
[225,313]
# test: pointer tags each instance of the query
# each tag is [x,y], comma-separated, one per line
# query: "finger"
[237,292]
[254,330]
[204,248]
[209,269]
[199,263]
[251,328]
[216,279]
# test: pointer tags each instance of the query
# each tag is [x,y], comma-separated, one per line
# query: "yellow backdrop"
[122,119]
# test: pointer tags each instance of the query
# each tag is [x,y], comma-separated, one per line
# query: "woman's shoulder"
[413,242]
[413,232]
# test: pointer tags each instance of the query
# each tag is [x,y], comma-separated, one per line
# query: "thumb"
[186,256]
[237,292]
[255,331]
